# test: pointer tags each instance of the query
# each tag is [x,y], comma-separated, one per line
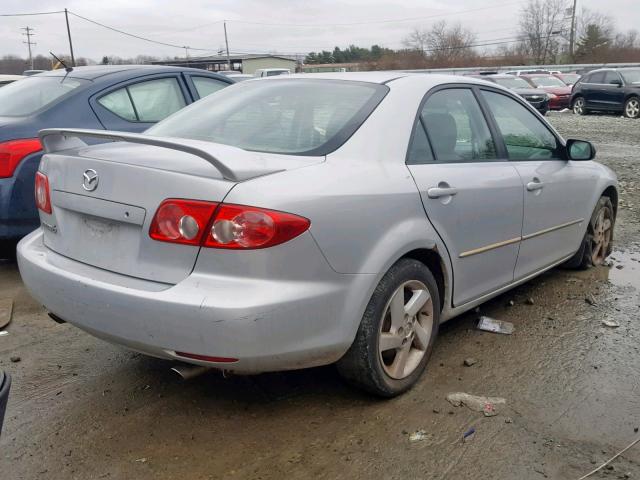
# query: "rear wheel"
[632,108]
[597,243]
[578,106]
[397,332]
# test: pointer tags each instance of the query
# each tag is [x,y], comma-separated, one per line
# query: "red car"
[568,78]
[559,92]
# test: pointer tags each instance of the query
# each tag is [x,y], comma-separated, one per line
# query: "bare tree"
[443,45]
[626,40]
[417,40]
[540,23]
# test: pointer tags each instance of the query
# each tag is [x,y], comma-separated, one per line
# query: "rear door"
[557,193]
[471,194]
[136,105]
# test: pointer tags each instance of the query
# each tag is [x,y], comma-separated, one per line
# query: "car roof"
[381,77]
[4,77]
[94,72]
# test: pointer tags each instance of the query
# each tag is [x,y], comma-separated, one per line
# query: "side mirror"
[616,82]
[580,150]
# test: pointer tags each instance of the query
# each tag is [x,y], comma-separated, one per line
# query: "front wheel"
[632,108]
[597,243]
[578,106]
[397,332]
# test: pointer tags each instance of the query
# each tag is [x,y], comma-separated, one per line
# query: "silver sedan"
[304,220]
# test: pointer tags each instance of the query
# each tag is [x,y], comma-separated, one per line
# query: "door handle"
[437,192]
[536,184]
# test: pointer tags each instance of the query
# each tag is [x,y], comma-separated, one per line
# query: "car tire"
[578,106]
[390,352]
[597,243]
[632,107]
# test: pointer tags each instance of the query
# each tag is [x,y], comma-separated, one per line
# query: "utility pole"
[29,33]
[572,35]
[226,41]
[186,52]
[66,17]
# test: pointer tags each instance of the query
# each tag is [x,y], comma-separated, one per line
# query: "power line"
[133,35]
[372,22]
[29,14]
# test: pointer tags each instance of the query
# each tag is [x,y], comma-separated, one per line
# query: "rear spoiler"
[59,139]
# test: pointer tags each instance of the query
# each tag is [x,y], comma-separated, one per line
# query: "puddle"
[629,274]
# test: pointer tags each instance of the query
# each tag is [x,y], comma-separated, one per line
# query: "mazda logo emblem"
[90,180]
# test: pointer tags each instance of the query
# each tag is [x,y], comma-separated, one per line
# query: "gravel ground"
[84,409]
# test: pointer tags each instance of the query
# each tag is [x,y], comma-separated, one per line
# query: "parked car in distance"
[271,72]
[288,223]
[559,92]
[529,71]
[128,98]
[538,100]
[240,77]
[568,78]
[610,89]
[7,79]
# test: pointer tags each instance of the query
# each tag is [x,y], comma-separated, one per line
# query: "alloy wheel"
[602,232]
[405,329]
[632,109]
[578,106]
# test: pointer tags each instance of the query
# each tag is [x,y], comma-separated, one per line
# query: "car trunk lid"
[105,196]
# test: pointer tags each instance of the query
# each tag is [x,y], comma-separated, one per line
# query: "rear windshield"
[547,82]
[29,95]
[514,82]
[570,78]
[290,116]
[631,76]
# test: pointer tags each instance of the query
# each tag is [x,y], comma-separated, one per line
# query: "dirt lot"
[83,409]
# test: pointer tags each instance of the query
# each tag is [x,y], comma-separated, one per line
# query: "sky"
[282,26]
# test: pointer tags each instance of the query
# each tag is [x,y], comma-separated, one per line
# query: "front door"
[472,197]
[557,192]
[612,91]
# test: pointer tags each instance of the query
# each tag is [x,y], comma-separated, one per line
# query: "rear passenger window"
[206,86]
[119,103]
[455,127]
[149,101]
[597,77]
[525,137]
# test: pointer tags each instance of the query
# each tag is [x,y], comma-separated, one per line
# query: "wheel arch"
[612,193]
[435,263]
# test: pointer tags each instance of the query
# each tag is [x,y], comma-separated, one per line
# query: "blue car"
[124,97]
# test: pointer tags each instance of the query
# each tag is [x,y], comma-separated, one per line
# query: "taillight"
[12,153]
[211,225]
[242,227]
[182,221]
[43,198]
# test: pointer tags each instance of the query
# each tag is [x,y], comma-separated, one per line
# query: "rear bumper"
[267,324]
